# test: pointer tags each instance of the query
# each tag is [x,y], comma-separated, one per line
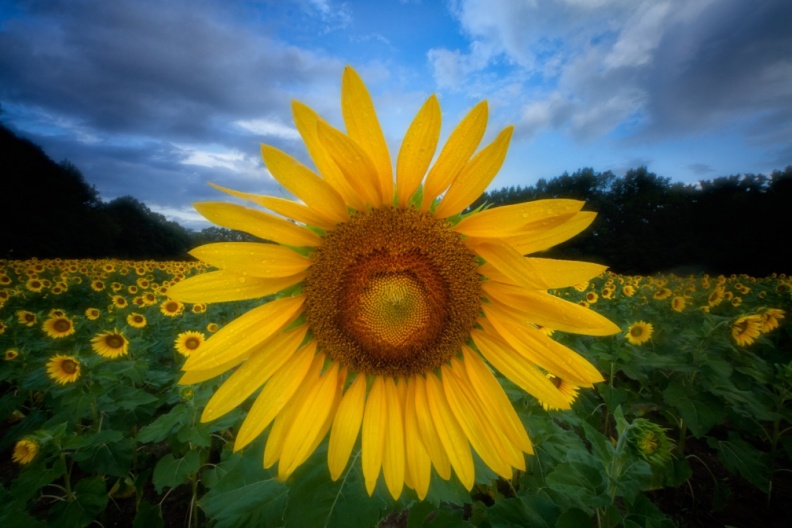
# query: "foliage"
[689,428]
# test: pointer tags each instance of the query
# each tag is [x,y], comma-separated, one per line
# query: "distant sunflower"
[745,329]
[11,354]
[628,290]
[770,318]
[639,333]
[25,451]
[212,328]
[26,318]
[92,314]
[188,342]
[58,327]
[678,304]
[716,296]
[98,285]
[111,344]
[136,320]
[63,369]
[570,390]
[120,301]
[390,302]
[34,285]
[171,308]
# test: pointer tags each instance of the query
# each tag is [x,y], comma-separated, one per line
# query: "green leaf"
[257,504]
[111,458]
[742,458]
[148,516]
[700,411]
[172,472]
[534,510]
[425,515]
[582,483]
[165,425]
[90,499]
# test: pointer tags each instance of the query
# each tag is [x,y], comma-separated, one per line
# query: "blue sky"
[155,98]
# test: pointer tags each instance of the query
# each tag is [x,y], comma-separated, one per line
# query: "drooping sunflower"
[58,326]
[188,342]
[745,329]
[391,304]
[639,333]
[63,369]
[25,451]
[110,344]
[770,318]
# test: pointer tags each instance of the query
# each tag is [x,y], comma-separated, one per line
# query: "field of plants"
[692,426]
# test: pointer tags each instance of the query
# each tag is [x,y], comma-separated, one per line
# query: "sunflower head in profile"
[110,344]
[63,369]
[639,333]
[25,451]
[385,306]
[746,329]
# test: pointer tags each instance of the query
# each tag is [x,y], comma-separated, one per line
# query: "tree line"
[645,223]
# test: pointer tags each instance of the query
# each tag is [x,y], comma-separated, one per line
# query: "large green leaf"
[171,472]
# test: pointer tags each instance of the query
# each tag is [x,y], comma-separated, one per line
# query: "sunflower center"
[392,292]
[192,343]
[69,366]
[636,331]
[114,341]
[61,325]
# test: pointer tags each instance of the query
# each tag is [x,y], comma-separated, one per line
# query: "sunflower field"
[691,426]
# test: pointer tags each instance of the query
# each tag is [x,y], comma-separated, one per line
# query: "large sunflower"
[391,303]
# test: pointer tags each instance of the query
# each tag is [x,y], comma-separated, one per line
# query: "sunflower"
[63,369]
[188,342]
[92,314]
[119,301]
[26,318]
[58,326]
[98,285]
[639,333]
[171,308]
[570,390]
[628,290]
[25,451]
[678,304]
[770,317]
[136,320]
[745,329]
[212,328]
[390,304]
[11,354]
[110,344]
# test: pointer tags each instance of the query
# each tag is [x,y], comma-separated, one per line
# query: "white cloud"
[269,128]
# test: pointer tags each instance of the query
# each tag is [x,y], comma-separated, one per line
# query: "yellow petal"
[542,239]
[244,333]
[308,422]
[355,164]
[428,430]
[197,376]
[375,421]
[523,373]
[257,223]
[508,219]
[476,176]
[448,429]
[363,127]
[253,373]
[492,397]
[417,150]
[564,273]
[537,348]
[307,121]
[544,309]
[346,426]
[461,145]
[288,208]
[418,465]
[304,184]
[252,258]
[393,450]
[278,392]
[224,286]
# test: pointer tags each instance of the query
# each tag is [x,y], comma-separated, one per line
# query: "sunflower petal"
[532,241]
[224,286]
[448,429]
[476,176]
[253,373]
[244,333]
[428,430]
[459,147]
[257,259]
[418,465]
[375,419]
[393,451]
[355,164]
[346,426]
[363,127]
[277,393]
[304,184]
[509,219]
[257,223]
[417,150]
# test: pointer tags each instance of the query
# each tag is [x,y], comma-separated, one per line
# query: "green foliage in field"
[687,424]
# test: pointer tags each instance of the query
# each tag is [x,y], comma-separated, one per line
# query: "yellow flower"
[25,451]
[639,333]
[746,329]
[390,303]
[110,344]
[11,354]
[136,320]
[58,327]
[171,308]
[770,317]
[188,342]
[63,369]
[570,390]
[212,328]
[26,318]
[678,304]
[628,290]
[92,313]
[120,301]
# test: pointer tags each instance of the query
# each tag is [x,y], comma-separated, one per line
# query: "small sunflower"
[390,302]
[11,354]
[639,333]
[188,342]
[678,304]
[171,308]
[63,369]
[26,318]
[34,285]
[92,314]
[212,328]
[770,318]
[136,320]
[110,344]
[25,451]
[98,285]
[745,329]
[58,327]
[119,301]
[628,290]
[570,390]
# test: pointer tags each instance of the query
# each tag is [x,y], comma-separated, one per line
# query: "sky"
[154,99]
